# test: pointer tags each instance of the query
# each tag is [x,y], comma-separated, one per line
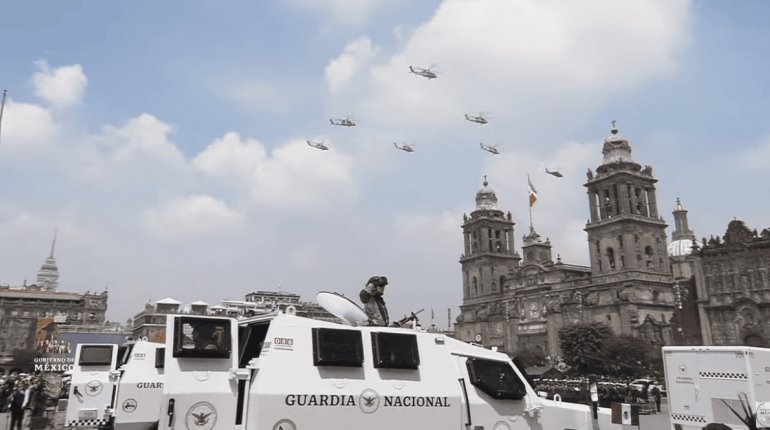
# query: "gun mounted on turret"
[405,320]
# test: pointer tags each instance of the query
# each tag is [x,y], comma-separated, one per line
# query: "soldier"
[374,304]
[18,401]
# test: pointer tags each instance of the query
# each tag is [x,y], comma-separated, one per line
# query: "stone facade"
[23,309]
[513,303]
[732,275]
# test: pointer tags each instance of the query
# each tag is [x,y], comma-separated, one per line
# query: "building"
[151,322]
[513,302]
[28,312]
[732,277]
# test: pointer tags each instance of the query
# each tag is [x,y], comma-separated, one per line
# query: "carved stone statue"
[590,174]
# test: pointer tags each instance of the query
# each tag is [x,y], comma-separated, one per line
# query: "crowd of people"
[609,391]
[22,396]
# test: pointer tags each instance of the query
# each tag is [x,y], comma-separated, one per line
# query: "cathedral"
[517,301]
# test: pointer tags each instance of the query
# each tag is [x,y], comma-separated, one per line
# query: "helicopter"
[428,73]
[490,148]
[318,145]
[480,118]
[345,122]
[554,172]
[404,147]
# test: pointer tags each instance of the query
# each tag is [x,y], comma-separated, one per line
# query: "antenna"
[2,107]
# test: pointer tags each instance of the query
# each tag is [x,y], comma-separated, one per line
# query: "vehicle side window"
[95,355]
[160,358]
[395,350]
[495,378]
[197,337]
[334,347]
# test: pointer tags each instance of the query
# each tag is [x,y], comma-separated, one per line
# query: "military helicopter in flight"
[427,73]
[480,118]
[554,172]
[492,149]
[345,122]
[318,145]
[404,147]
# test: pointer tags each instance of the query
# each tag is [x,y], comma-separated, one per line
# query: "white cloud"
[143,137]
[27,127]
[194,215]
[292,175]
[528,59]
[231,156]
[341,70]
[61,87]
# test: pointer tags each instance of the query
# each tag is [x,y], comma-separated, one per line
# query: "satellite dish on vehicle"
[342,308]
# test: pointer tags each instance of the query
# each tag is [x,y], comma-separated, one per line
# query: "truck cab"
[139,386]
[92,387]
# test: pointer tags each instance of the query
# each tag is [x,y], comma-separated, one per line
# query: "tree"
[24,359]
[531,357]
[582,345]
[625,355]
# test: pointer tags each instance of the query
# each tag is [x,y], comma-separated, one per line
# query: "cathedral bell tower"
[625,232]
[489,252]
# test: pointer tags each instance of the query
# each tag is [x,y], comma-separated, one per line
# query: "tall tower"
[625,233]
[48,276]
[682,243]
[489,252]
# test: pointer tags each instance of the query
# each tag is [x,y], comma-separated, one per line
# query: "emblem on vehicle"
[369,401]
[93,388]
[682,369]
[200,416]
[763,414]
[285,425]
[129,405]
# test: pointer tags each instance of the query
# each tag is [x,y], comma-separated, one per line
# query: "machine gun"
[403,321]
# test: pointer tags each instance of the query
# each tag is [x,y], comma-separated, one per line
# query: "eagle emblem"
[369,401]
[201,416]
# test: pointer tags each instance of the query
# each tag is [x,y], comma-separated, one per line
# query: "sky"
[164,142]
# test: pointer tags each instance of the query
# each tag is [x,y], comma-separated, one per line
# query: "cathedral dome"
[486,197]
[682,247]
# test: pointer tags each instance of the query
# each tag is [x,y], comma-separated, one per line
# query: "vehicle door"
[494,395]
[200,389]
[91,390]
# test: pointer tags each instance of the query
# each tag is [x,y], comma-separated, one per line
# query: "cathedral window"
[494,286]
[502,282]
[648,253]
[622,262]
[620,242]
[611,257]
[475,286]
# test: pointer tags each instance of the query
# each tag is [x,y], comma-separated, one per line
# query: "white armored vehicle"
[283,372]
[116,385]
[705,382]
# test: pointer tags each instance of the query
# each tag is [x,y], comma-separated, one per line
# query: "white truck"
[116,386]
[91,388]
[284,372]
[705,382]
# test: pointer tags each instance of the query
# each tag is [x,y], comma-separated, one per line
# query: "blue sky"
[165,141]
